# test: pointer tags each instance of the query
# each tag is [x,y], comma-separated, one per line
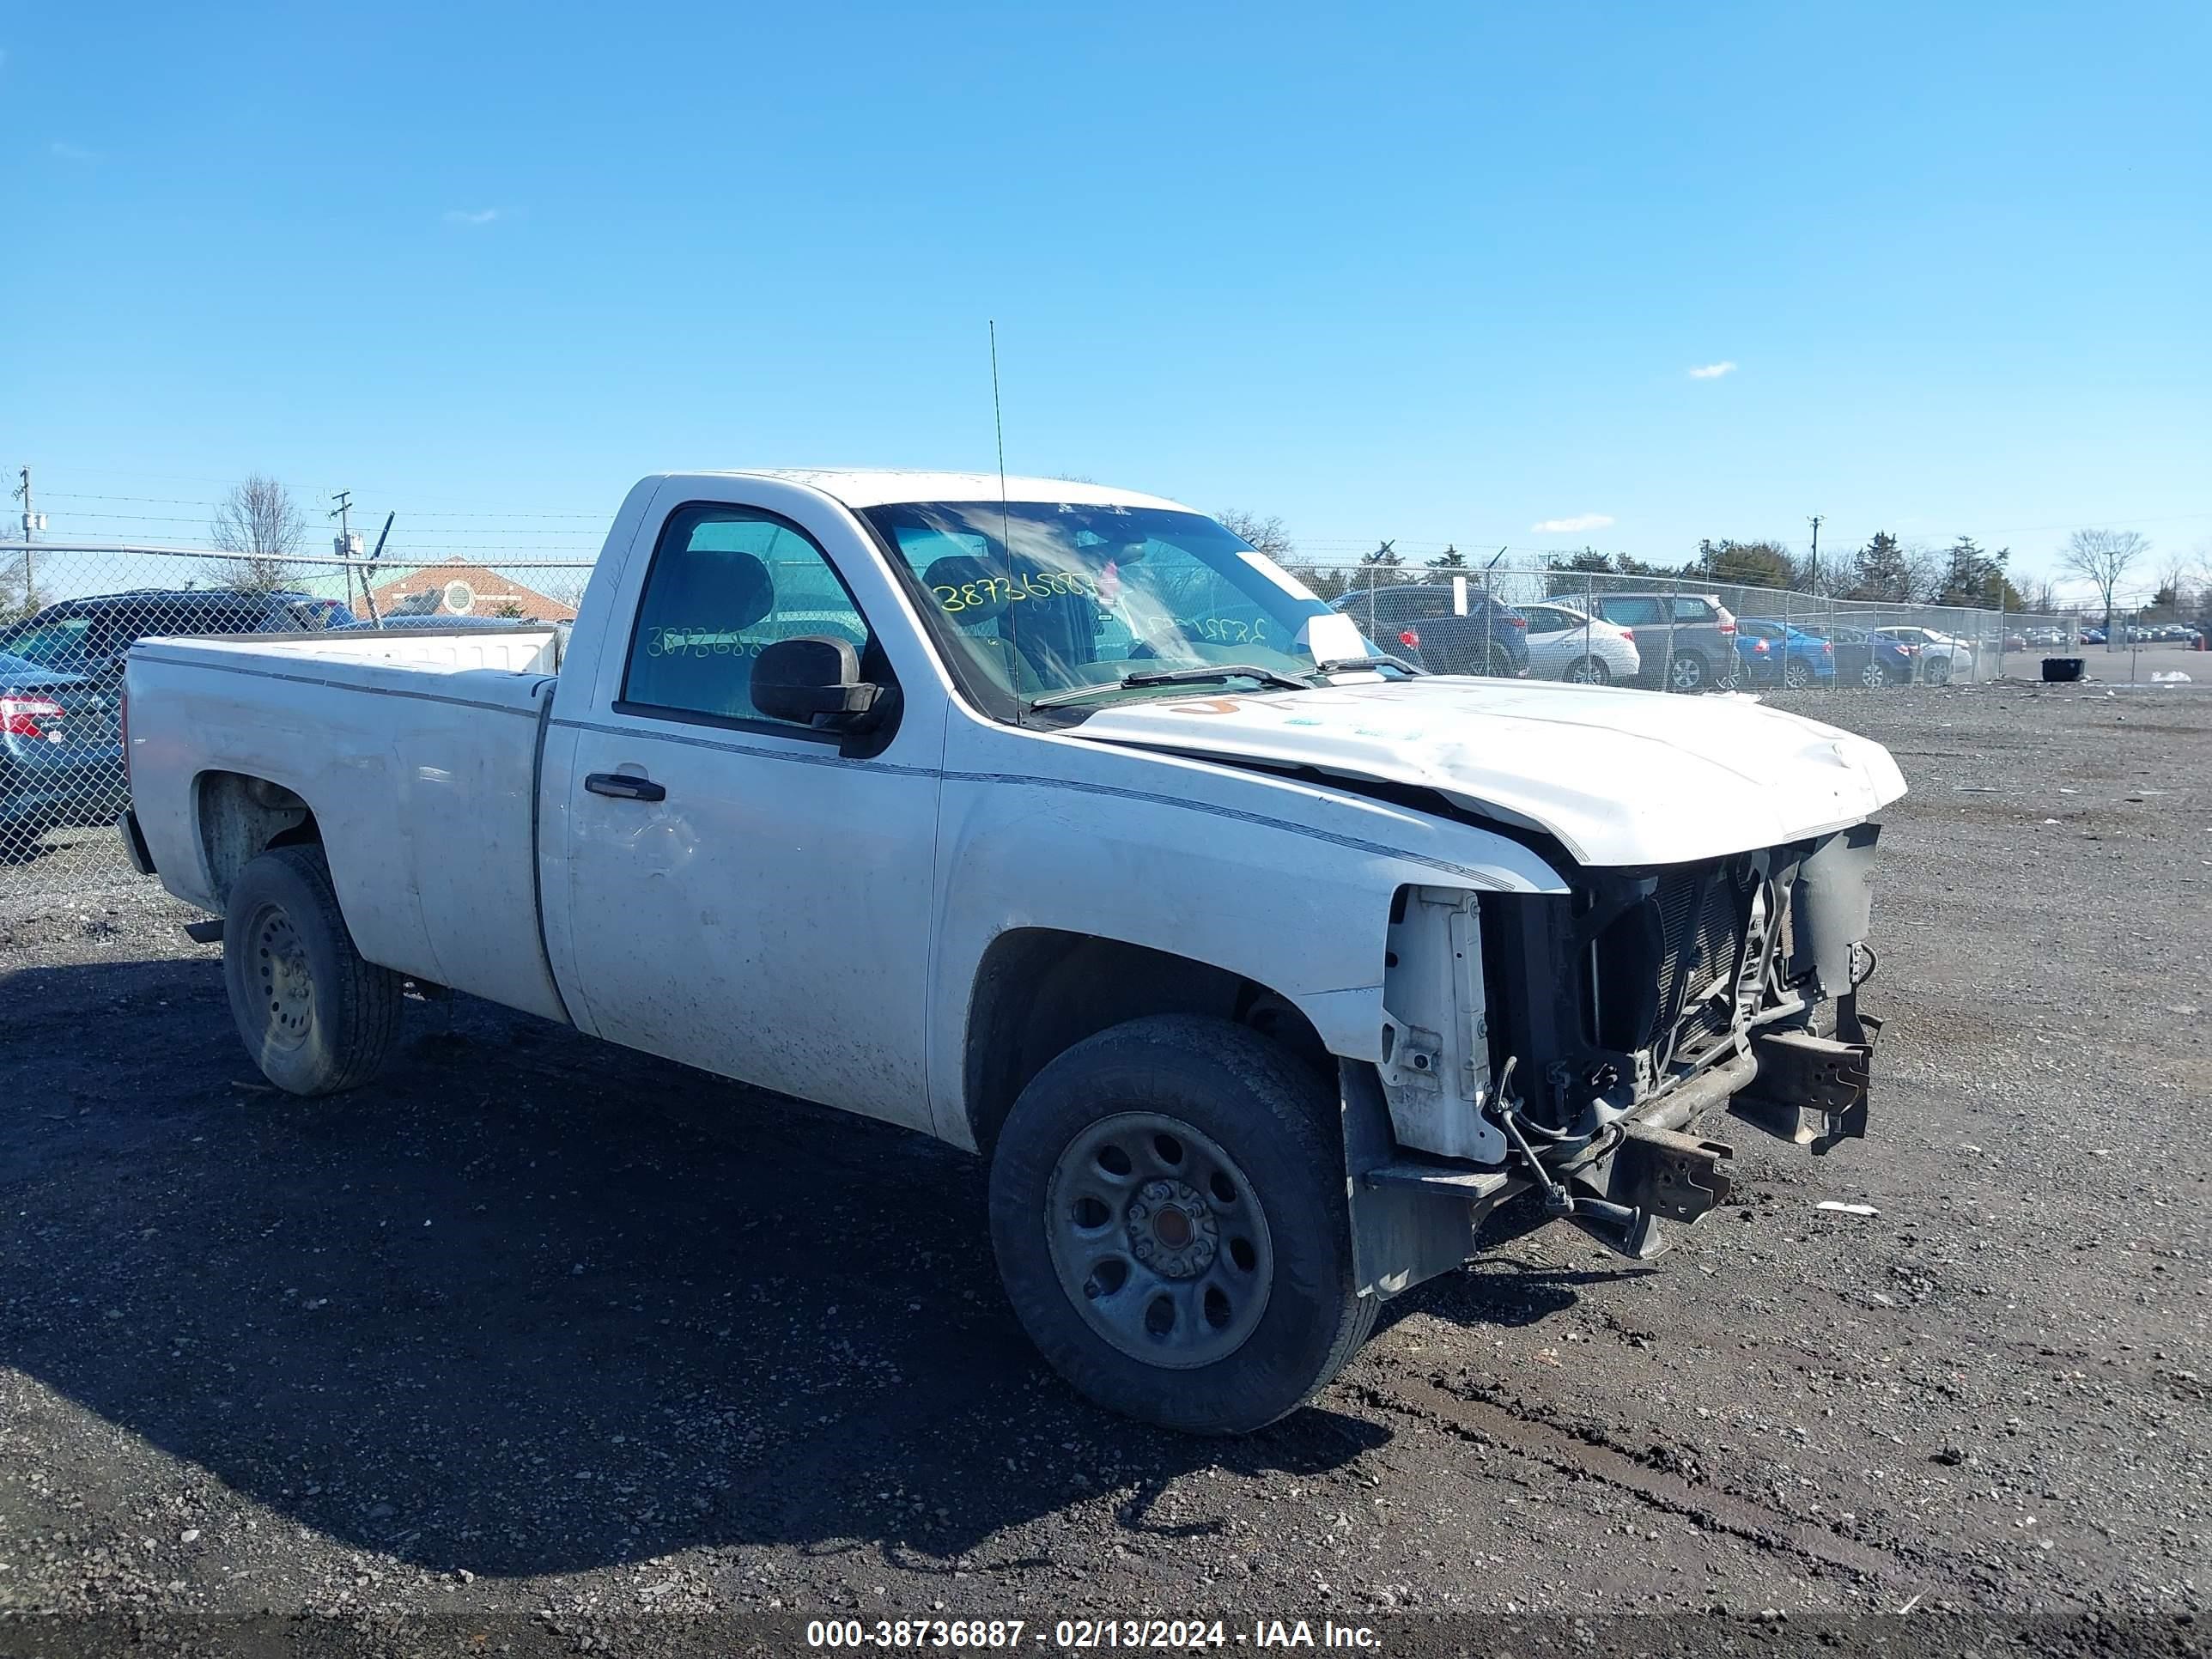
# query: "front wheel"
[1168,1209]
[316,1017]
[1589,671]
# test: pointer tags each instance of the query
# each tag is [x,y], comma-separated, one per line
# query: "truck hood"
[1619,777]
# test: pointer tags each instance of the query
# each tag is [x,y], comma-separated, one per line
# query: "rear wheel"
[316,1017]
[1168,1209]
[1687,673]
[1937,671]
[1589,671]
[1796,676]
[1498,664]
[1873,676]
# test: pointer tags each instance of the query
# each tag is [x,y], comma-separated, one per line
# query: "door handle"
[625,785]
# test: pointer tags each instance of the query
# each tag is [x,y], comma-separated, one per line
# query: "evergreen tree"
[1883,570]
[1746,564]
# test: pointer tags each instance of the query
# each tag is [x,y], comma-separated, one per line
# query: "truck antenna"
[1006,540]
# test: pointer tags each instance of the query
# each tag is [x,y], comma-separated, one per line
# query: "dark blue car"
[1422,622]
[61,753]
[1866,658]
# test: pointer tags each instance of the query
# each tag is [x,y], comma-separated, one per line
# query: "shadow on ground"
[530,1304]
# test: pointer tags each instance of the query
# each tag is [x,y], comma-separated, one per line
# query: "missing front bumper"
[1414,1216]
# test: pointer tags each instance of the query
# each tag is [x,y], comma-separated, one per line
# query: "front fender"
[1280,881]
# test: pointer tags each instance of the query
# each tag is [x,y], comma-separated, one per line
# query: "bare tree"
[2176,575]
[2103,556]
[2043,597]
[19,593]
[258,522]
[1266,535]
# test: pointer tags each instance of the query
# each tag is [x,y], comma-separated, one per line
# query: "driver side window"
[724,582]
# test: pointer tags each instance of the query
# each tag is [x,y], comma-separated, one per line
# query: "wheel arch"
[237,816]
[1039,991]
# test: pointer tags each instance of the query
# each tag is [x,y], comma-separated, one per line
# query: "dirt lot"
[540,1344]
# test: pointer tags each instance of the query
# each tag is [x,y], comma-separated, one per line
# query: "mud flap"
[1412,1218]
[1810,1091]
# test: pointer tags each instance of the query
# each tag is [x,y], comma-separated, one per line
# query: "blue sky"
[1431,272]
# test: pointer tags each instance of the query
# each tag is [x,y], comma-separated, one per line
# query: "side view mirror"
[814,681]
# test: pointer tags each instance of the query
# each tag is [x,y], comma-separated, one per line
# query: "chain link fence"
[69,612]
[1686,635]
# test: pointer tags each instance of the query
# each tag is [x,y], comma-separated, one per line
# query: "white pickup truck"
[1055,822]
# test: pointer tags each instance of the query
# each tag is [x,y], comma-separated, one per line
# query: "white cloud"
[67,152]
[470,216]
[1712,371]
[1575,525]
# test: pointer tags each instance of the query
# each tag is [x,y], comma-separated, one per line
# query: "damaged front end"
[1571,1043]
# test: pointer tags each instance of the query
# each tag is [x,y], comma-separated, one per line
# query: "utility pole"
[1815,581]
[343,545]
[32,521]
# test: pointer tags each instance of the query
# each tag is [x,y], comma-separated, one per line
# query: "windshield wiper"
[1198,675]
[1355,665]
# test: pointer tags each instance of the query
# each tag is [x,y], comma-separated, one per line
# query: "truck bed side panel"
[419,775]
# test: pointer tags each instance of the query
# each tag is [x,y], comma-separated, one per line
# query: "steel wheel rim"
[1159,1240]
[279,972]
[1688,673]
[1874,674]
[1796,676]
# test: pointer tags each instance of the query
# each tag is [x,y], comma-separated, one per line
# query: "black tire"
[1589,671]
[1796,676]
[1499,665]
[1937,670]
[1874,677]
[316,1017]
[1279,1123]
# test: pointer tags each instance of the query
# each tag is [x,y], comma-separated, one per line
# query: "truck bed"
[419,749]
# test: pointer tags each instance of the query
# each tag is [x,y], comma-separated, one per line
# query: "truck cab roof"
[887,486]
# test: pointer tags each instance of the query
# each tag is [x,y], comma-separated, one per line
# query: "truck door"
[745,895]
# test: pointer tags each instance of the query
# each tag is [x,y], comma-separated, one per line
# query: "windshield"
[1087,597]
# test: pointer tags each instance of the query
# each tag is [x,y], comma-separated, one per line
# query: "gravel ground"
[537,1345]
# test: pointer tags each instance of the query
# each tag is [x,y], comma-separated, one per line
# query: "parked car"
[1564,644]
[1865,656]
[1942,659]
[89,635]
[1259,987]
[2093,636]
[1421,619]
[1776,653]
[1686,640]
[61,753]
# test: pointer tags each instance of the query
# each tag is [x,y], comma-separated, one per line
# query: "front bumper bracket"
[1810,1091]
